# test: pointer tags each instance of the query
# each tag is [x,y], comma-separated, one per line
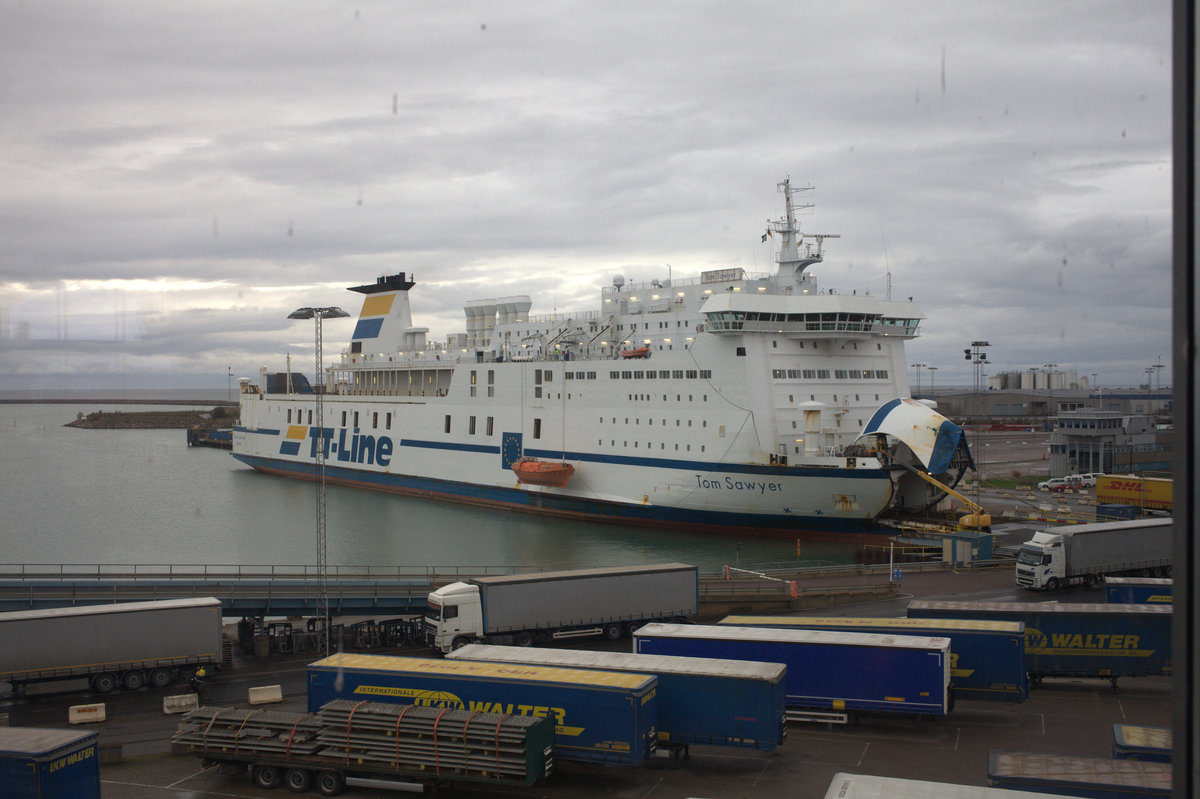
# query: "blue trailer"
[1076,639]
[37,763]
[1079,776]
[700,700]
[599,716]
[987,658]
[1139,590]
[826,671]
[1132,742]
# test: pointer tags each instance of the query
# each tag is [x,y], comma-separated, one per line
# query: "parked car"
[1087,478]
[1061,483]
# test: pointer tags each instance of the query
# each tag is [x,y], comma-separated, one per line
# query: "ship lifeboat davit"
[543,473]
[640,352]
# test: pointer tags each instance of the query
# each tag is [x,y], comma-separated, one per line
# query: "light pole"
[318,315]
[229,383]
[1050,389]
[931,369]
[918,367]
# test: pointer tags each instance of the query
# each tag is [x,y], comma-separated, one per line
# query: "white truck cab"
[455,617]
[1042,562]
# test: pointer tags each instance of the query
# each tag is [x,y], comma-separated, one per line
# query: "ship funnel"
[385,315]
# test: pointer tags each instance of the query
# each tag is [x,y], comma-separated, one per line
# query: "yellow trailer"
[1152,493]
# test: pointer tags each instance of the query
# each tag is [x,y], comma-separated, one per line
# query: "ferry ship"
[729,402]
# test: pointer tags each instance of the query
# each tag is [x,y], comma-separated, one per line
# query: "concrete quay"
[1068,716]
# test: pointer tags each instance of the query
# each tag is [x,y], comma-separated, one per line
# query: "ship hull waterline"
[538,501]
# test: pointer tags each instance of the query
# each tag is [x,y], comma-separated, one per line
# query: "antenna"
[886,263]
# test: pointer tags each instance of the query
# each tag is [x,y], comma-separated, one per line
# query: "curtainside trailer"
[987,657]
[1139,590]
[524,609]
[368,741]
[599,716]
[1076,639]
[1085,553]
[829,674]
[128,644]
[700,700]
[1079,776]
[39,763]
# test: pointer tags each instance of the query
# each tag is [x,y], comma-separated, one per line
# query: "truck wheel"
[612,631]
[104,683]
[1089,580]
[330,783]
[524,638]
[298,780]
[133,679]
[161,678]
[267,776]
[459,643]
[1052,584]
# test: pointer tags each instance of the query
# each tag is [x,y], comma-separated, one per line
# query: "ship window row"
[829,322]
[823,374]
[662,447]
[661,374]
[662,423]
[579,375]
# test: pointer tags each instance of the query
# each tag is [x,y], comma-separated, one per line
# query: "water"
[142,497]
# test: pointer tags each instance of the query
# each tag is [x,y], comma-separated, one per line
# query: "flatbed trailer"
[348,740]
[1079,776]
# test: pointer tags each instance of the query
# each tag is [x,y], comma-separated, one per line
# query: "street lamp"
[229,383]
[931,369]
[918,367]
[318,315]
[1050,388]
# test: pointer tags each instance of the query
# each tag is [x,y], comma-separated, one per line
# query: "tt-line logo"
[348,447]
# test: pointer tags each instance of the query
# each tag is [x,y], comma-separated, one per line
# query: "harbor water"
[143,497]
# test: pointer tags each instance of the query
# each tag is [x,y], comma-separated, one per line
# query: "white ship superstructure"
[731,401]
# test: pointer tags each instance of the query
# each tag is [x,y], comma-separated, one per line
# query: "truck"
[599,716]
[708,701]
[126,645]
[525,608]
[348,740]
[1075,639]
[868,786]
[1138,590]
[1084,553]
[987,657]
[829,674]
[42,763]
[1147,493]
[1135,742]
[1078,776]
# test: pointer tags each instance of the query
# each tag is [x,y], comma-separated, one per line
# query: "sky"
[175,178]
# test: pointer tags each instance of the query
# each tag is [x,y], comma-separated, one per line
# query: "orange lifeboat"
[640,352]
[543,473]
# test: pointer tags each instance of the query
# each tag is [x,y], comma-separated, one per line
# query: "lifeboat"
[543,473]
[640,352]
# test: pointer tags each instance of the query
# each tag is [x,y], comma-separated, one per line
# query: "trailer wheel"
[267,776]
[133,679]
[1089,580]
[612,631]
[330,783]
[161,678]
[524,638]
[104,683]
[298,780]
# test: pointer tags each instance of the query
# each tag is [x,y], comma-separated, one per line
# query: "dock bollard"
[86,714]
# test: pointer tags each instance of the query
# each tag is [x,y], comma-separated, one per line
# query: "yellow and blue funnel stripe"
[370,319]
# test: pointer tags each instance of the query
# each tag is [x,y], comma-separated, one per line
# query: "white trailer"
[1085,553]
[128,644]
[525,608]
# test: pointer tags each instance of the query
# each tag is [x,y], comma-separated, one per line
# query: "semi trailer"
[709,701]
[123,645]
[1085,553]
[42,763]
[1078,776]
[522,609]
[1139,590]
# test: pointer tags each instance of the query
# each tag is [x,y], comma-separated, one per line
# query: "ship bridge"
[824,316]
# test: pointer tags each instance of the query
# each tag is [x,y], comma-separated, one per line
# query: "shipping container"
[866,786]
[524,609]
[1148,493]
[1075,640]
[1132,742]
[599,716]
[1112,512]
[39,763]
[826,671]
[700,700]
[987,657]
[1079,776]
[1139,590]
[128,644]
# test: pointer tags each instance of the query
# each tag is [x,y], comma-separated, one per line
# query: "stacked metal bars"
[405,738]
[442,740]
[237,730]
